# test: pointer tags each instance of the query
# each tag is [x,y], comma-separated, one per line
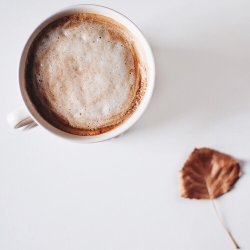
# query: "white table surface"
[122,194]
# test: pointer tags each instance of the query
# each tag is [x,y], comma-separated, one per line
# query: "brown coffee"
[84,74]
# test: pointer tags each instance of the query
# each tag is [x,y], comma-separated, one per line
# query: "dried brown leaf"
[208,174]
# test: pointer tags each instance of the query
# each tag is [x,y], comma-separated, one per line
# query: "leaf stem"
[219,216]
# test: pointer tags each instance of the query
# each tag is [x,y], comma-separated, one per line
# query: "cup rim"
[103,10]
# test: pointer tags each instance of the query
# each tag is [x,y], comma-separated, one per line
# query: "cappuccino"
[84,74]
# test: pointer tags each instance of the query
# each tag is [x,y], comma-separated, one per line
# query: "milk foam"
[87,73]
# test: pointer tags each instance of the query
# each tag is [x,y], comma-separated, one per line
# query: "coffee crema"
[84,74]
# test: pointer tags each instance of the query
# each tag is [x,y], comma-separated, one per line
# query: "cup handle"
[20,118]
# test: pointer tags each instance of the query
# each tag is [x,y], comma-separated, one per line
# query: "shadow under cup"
[142,48]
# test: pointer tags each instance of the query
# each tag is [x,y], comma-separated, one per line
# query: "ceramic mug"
[28,114]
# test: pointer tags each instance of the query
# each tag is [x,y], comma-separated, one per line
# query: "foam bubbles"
[84,37]
[88,78]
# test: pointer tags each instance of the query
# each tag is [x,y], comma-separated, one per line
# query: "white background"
[123,194]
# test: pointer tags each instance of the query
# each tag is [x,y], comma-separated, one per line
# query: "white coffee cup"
[28,114]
